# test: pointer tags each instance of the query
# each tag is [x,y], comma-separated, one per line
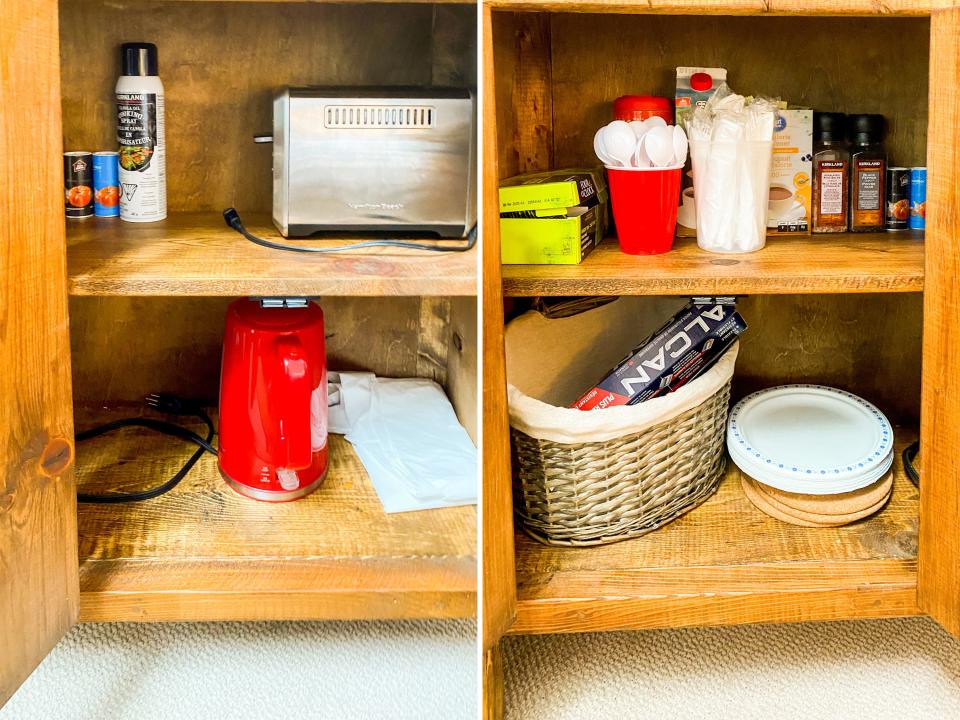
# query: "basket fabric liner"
[568,425]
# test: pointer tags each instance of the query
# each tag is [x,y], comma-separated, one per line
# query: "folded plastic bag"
[408,438]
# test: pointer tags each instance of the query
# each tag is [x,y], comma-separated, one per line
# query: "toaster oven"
[366,159]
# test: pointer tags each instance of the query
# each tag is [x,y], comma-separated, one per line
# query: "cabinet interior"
[147,311]
[842,310]
[221,64]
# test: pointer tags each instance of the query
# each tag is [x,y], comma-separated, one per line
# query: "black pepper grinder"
[868,173]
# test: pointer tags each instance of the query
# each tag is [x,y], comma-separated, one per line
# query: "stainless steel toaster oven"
[359,159]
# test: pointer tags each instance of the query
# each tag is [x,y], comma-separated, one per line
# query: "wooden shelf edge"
[278,589]
[829,8]
[520,287]
[688,597]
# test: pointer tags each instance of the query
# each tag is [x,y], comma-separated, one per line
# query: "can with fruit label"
[106,185]
[897,214]
[78,184]
[918,198]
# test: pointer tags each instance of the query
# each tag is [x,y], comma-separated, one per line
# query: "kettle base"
[271,495]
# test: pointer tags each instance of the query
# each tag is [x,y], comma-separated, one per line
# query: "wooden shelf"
[724,563]
[197,254]
[730,7]
[203,552]
[845,263]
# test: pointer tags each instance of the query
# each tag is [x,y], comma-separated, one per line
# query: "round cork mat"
[798,517]
[839,504]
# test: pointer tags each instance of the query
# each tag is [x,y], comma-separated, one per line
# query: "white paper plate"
[810,439]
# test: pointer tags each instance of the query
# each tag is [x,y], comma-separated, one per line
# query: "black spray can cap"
[866,128]
[138,58]
[830,126]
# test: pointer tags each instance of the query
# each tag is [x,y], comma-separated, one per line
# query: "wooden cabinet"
[864,312]
[123,310]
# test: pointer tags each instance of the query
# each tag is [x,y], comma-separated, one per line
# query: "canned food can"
[897,216]
[106,184]
[918,198]
[78,184]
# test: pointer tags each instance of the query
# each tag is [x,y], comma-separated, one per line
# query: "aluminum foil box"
[685,347]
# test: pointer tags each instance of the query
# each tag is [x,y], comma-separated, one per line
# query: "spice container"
[831,173]
[898,199]
[78,184]
[918,198]
[106,188]
[868,170]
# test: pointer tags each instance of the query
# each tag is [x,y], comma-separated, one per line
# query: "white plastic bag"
[408,438]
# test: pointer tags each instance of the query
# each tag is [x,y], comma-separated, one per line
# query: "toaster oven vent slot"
[399,117]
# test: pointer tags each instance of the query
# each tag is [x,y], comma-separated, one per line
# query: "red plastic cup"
[645,202]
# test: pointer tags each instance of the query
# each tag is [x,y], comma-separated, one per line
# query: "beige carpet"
[906,669]
[256,671]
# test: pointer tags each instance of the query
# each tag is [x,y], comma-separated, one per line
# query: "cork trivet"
[797,517]
[840,504]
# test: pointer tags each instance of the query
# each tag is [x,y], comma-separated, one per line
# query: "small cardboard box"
[788,210]
[551,190]
[564,240]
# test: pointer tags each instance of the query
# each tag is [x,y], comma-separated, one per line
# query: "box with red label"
[684,348]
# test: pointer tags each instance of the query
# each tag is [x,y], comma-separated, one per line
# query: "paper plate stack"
[811,455]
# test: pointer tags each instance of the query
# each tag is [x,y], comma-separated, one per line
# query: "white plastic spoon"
[658,144]
[640,157]
[680,146]
[619,141]
[600,150]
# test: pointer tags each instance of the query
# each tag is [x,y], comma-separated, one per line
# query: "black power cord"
[909,453]
[171,405]
[232,218]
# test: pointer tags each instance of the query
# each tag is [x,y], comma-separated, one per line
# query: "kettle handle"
[291,406]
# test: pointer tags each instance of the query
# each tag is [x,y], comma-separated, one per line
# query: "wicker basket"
[594,493]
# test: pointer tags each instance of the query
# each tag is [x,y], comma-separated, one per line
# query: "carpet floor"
[902,669]
[261,671]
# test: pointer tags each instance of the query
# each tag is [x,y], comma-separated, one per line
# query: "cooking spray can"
[140,135]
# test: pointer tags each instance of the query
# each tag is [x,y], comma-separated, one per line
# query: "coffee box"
[788,210]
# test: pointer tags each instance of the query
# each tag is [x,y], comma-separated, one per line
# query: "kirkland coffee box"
[685,347]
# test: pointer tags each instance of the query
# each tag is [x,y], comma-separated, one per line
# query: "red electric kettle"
[273,400]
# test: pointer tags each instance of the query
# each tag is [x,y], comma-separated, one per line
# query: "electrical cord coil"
[171,405]
[232,218]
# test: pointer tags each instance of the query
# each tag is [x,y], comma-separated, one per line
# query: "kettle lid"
[254,313]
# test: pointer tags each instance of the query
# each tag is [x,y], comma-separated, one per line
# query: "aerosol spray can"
[140,135]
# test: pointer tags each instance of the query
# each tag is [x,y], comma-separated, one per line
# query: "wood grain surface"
[203,552]
[499,580]
[197,254]
[38,527]
[126,348]
[726,563]
[493,690]
[939,564]
[867,344]
[845,263]
[730,7]
[823,63]
[222,63]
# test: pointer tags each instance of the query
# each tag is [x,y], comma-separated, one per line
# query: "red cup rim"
[643,169]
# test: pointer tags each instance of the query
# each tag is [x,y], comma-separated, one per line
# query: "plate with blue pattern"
[810,439]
